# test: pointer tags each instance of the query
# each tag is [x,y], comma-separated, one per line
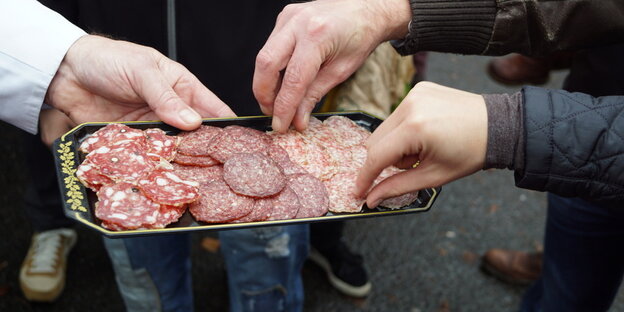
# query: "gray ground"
[421,262]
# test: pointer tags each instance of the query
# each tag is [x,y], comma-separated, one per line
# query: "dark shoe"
[345,270]
[514,267]
[517,69]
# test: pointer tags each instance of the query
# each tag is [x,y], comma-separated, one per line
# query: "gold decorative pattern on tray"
[68,168]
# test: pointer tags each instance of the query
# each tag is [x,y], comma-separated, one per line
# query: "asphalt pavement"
[419,262]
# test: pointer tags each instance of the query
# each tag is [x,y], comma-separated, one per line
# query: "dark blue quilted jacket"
[575,145]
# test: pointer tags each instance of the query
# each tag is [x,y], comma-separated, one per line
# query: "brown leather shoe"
[514,267]
[517,69]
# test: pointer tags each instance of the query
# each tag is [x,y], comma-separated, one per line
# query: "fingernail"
[375,203]
[277,124]
[189,116]
[306,120]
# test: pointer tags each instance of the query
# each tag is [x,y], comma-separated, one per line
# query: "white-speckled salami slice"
[169,214]
[122,162]
[285,205]
[292,142]
[199,174]
[347,132]
[255,175]
[110,135]
[198,142]
[312,195]
[317,162]
[341,198]
[160,145]
[261,211]
[280,156]
[219,204]
[165,187]
[125,205]
[91,177]
[201,161]
[237,139]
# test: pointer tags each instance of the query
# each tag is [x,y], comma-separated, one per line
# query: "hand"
[107,80]
[53,124]
[443,128]
[316,45]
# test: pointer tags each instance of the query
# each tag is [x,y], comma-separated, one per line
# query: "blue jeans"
[583,258]
[263,264]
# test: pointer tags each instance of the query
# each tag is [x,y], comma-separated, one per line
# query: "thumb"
[165,102]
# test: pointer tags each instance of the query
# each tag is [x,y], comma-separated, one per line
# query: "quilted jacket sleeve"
[574,145]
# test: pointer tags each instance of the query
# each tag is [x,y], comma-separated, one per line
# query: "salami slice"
[122,162]
[125,205]
[91,177]
[254,175]
[198,142]
[237,139]
[341,197]
[219,204]
[110,135]
[168,215]
[160,145]
[312,195]
[285,205]
[346,131]
[201,161]
[164,187]
[200,175]
[317,161]
[399,201]
[280,156]
[261,211]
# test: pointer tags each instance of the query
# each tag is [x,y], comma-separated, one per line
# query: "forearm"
[33,42]
[492,27]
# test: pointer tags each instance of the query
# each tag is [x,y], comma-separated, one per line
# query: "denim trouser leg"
[583,258]
[264,267]
[153,273]
[42,200]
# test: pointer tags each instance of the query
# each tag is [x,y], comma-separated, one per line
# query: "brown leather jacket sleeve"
[497,27]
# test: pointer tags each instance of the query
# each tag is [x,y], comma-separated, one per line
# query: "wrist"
[394,17]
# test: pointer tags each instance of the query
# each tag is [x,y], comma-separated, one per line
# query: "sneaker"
[513,267]
[344,269]
[42,276]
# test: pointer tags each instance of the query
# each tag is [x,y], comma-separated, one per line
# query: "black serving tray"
[79,202]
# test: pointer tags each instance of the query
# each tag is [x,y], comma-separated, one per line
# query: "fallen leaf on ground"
[4,289]
[210,244]
[444,307]
[469,256]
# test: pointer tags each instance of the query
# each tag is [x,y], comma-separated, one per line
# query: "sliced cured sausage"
[201,161]
[237,139]
[198,142]
[164,187]
[125,205]
[312,195]
[254,175]
[122,162]
[110,135]
[219,204]
[341,197]
[160,145]
[285,205]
